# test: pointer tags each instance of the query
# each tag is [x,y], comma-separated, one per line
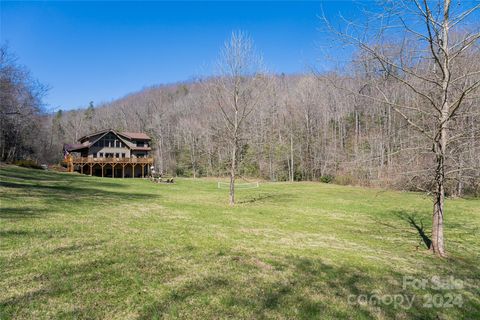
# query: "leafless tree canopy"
[415,60]
[335,134]
[20,109]
[236,92]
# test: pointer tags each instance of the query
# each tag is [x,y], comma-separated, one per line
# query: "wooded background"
[330,127]
[304,128]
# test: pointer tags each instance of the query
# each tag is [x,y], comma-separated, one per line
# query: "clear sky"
[99,51]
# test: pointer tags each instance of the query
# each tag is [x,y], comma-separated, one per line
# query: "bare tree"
[329,135]
[424,68]
[235,91]
[301,128]
[20,108]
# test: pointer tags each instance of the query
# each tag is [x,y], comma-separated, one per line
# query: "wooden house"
[109,153]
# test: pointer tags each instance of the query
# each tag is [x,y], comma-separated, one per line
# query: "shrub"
[345,180]
[180,171]
[28,164]
[297,176]
[326,179]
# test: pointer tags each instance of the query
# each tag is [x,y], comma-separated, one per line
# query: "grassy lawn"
[74,246]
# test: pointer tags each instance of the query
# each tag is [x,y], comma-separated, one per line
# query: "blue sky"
[99,51]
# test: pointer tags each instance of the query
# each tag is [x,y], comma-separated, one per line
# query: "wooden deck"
[87,164]
[88,160]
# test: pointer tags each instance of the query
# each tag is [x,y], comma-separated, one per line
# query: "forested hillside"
[375,122]
[305,128]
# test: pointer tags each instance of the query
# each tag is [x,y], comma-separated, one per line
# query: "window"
[123,155]
[108,140]
[140,143]
[117,155]
[101,155]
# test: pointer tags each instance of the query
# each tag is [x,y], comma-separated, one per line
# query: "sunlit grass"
[75,246]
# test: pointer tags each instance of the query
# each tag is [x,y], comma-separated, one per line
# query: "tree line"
[303,128]
[21,112]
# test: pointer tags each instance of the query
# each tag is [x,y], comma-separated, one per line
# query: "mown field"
[74,246]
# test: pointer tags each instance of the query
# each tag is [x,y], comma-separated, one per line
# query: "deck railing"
[86,160]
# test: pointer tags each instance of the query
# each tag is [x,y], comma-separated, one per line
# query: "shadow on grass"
[292,287]
[89,287]
[421,231]
[417,224]
[307,289]
[20,213]
[14,233]
[78,247]
[19,174]
[31,174]
[56,283]
[277,198]
[64,192]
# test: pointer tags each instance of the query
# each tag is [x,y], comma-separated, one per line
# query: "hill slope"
[87,247]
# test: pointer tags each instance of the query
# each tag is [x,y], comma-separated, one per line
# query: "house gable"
[123,140]
[112,144]
[109,145]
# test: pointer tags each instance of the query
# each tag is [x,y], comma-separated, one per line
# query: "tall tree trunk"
[193,157]
[460,178]
[357,132]
[441,144]
[438,246]
[232,173]
[292,171]
[160,155]
[234,152]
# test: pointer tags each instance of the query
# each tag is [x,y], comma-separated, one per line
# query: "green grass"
[83,247]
